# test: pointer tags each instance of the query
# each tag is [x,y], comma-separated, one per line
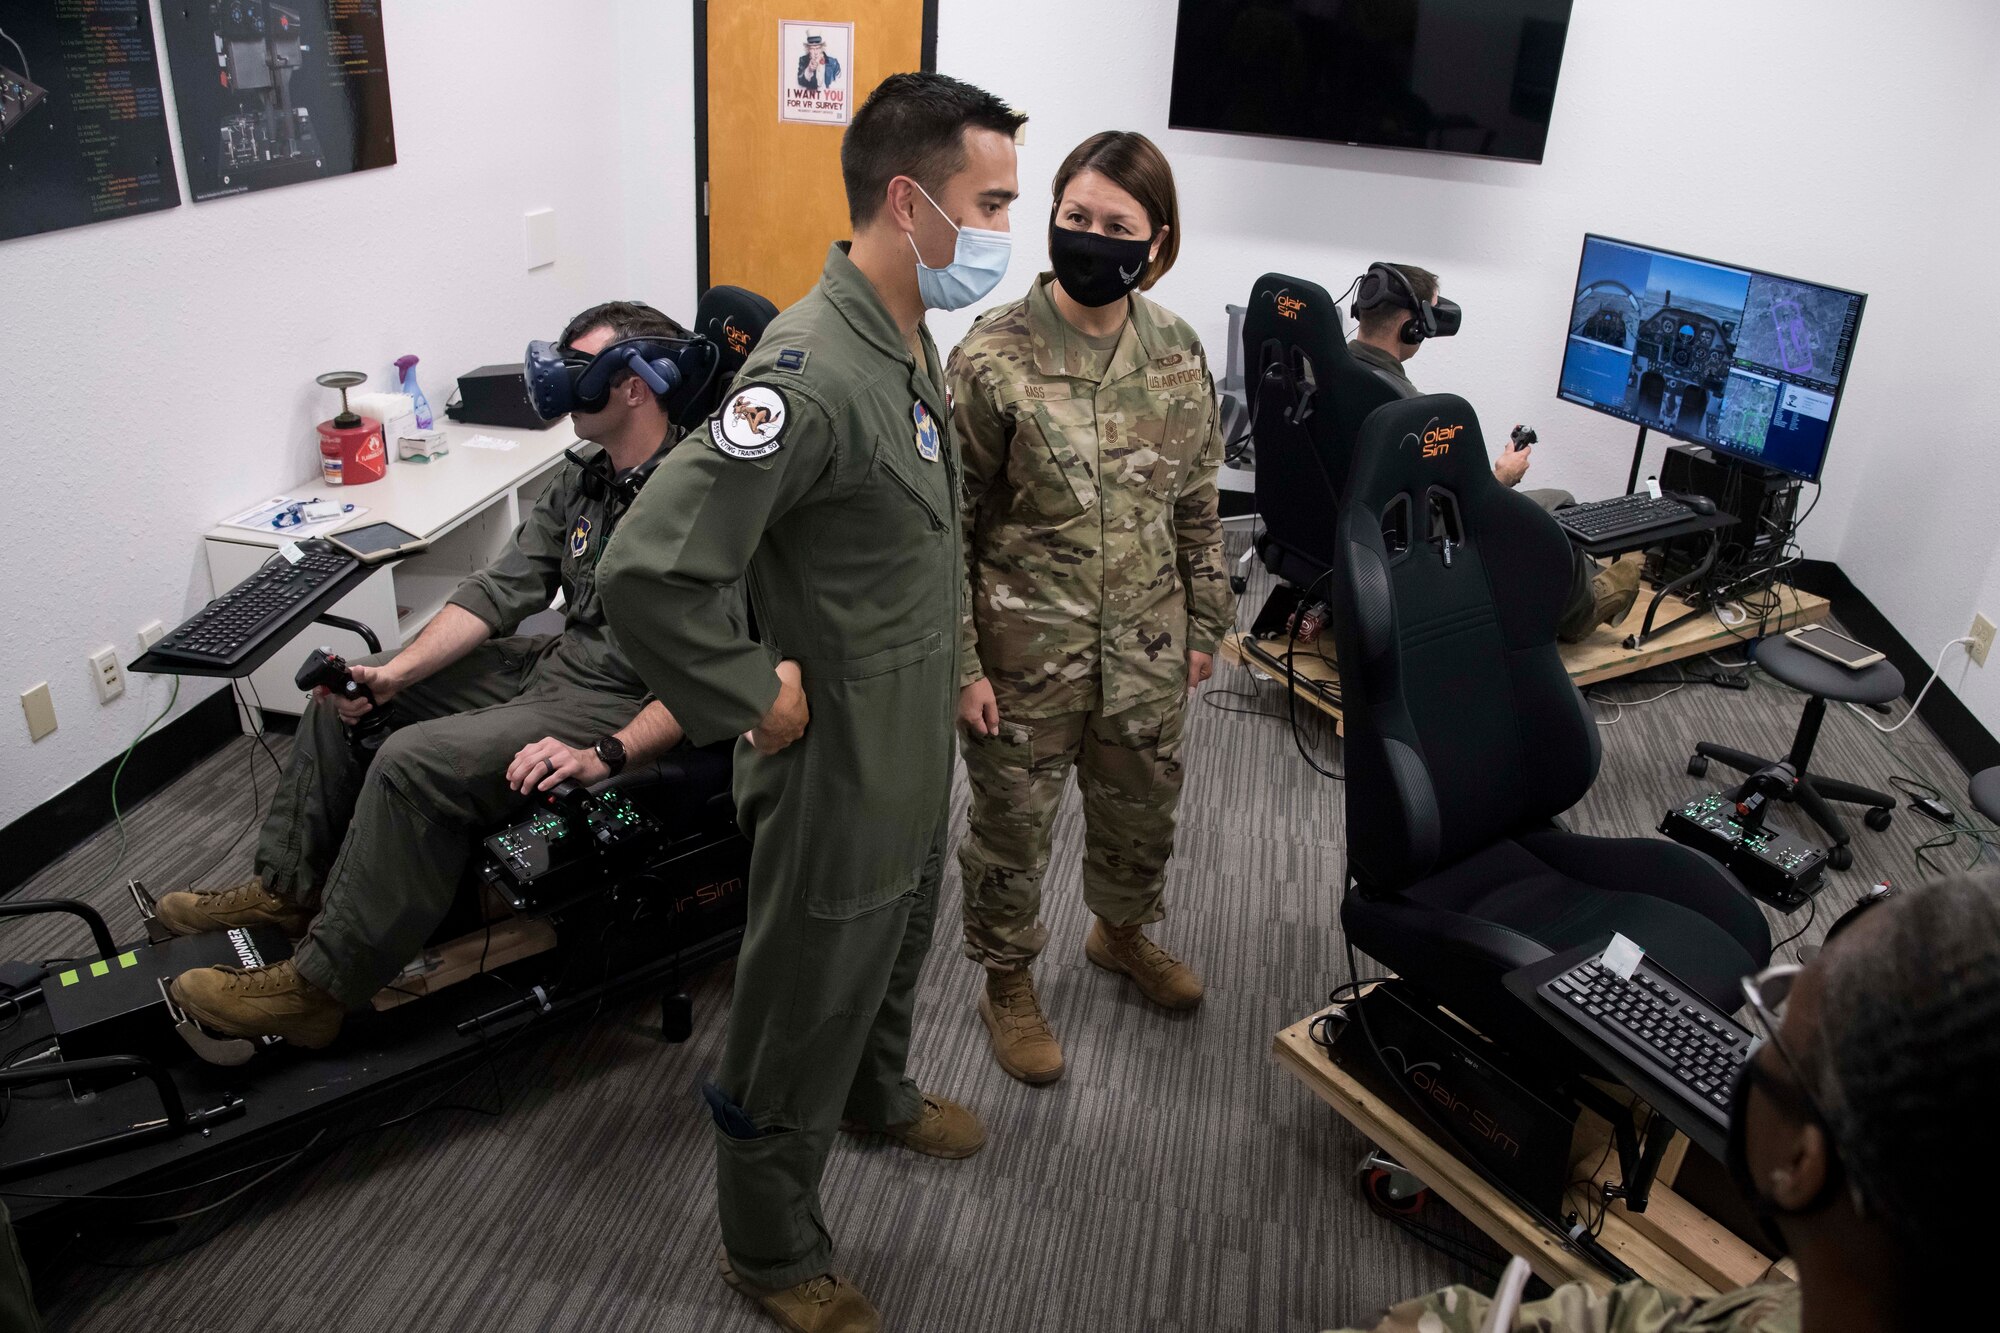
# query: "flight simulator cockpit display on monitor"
[1747,363]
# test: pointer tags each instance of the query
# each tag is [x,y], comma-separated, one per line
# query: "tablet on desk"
[377,543]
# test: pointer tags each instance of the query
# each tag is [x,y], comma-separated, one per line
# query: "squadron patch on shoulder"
[751,424]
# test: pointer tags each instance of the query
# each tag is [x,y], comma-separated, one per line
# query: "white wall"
[656,118]
[159,370]
[1836,140]
[1832,139]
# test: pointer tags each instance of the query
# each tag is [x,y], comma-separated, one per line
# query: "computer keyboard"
[229,628]
[1621,516]
[1658,1022]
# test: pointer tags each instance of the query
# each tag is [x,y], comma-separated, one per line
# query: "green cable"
[118,816]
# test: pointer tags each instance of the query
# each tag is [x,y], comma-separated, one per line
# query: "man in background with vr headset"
[359,862]
[1396,307]
[1860,1115]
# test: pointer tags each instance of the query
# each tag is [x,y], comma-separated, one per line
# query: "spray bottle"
[406,366]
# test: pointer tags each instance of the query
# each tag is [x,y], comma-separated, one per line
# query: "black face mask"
[1096,270]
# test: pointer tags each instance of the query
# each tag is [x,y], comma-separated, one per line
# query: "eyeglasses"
[1767,993]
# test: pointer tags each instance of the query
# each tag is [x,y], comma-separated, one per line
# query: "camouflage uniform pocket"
[1055,481]
[1178,443]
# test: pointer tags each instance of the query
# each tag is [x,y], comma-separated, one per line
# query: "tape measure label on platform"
[291,552]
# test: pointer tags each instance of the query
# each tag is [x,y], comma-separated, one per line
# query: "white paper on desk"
[257,518]
[485,442]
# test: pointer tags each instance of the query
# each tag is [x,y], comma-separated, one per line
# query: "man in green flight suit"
[1879,1062]
[360,861]
[829,481]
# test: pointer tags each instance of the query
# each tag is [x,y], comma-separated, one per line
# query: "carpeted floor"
[1175,1179]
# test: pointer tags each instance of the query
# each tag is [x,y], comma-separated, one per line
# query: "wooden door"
[768,189]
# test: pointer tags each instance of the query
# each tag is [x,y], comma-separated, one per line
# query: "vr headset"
[693,373]
[562,381]
[1384,284]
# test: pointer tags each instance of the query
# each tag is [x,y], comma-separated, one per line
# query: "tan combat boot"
[1022,1041]
[1160,977]
[942,1129]
[1616,587]
[823,1304]
[270,1001]
[245,904]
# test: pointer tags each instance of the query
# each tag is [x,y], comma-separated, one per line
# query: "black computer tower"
[1761,500]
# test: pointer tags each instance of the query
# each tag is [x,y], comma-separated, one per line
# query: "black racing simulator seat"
[626,886]
[734,319]
[1466,739]
[1308,398]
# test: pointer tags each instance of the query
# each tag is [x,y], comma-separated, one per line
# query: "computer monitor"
[1748,363]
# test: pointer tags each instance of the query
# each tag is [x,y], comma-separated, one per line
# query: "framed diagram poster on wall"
[273,94]
[83,124]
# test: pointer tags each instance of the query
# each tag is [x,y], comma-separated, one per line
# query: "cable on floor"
[1917,702]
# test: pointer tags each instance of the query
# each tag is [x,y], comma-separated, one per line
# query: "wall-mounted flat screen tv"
[1476,77]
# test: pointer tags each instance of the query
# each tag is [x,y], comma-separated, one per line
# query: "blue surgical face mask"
[978,262]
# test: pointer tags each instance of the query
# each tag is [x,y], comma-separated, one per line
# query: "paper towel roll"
[396,411]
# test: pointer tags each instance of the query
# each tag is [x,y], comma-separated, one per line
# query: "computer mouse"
[1701,504]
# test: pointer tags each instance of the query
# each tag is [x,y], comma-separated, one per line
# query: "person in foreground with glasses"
[1857,1132]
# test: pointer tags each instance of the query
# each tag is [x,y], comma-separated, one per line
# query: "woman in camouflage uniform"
[1087,421]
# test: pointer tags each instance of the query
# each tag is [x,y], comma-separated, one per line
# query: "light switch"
[539,231]
[41,710]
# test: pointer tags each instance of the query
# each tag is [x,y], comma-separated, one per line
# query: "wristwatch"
[611,751]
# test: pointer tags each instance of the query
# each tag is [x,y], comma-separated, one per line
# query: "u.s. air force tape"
[751,424]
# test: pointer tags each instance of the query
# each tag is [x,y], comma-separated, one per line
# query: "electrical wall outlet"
[1982,640]
[107,675]
[41,710]
[151,633]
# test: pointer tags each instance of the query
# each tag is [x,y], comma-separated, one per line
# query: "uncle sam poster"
[815,72]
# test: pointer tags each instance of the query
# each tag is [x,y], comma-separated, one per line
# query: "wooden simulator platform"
[1672,1244]
[1603,656]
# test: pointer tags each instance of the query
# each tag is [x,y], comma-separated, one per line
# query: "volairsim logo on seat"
[1433,439]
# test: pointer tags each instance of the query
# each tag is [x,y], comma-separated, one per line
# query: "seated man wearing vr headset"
[360,861]
[1396,307]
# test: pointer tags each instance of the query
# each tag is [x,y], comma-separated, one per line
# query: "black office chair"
[734,319]
[1308,398]
[1466,739]
[1787,779]
[1984,790]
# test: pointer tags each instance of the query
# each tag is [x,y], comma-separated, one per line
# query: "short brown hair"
[1422,281]
[1135,165]
[914,125]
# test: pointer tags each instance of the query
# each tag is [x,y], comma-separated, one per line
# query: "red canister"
[352,455]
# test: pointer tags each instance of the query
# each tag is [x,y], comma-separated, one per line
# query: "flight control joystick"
[325,667]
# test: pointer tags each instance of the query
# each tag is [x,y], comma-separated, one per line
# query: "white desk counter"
[466,505]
